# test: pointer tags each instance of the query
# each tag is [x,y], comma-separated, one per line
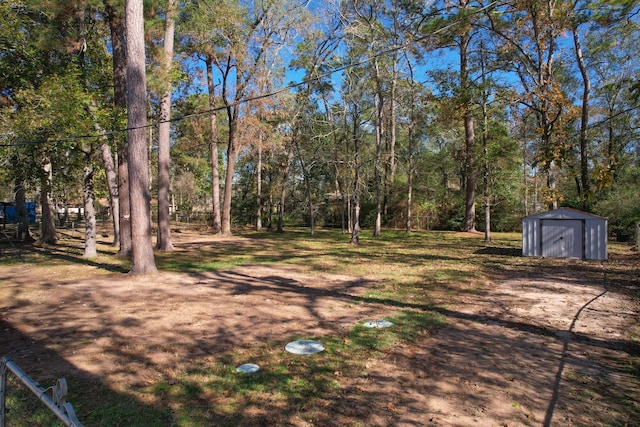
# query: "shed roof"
[565,213]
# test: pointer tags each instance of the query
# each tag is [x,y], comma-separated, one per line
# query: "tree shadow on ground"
[86,392]
[19,253]
[532,360]
[169,336]
[501,251]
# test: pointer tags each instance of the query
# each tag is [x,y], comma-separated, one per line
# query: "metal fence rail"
[54,397]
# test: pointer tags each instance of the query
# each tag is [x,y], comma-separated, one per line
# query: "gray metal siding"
[596,240]
[530,237]
[562,238]
[590,244]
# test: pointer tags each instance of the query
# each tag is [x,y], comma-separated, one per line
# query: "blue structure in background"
[11,215]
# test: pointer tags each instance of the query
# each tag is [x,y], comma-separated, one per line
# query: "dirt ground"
[554,348]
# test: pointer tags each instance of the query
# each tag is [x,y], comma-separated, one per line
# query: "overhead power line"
[276,92]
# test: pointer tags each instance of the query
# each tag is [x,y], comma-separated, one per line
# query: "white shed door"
[561,238]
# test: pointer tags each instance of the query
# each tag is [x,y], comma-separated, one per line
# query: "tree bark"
[409,192]
[355,231]
[551,184]
[124,214]
[411,141]
[469,133]
[470,184]
[90,250]
[232,154]
[379,131]
[270,212]
[110,174]
[23,234]
[164,136]
[584,118]
[117,29]
[112,184]
[142,258]
[215,168]
[393,119]
[305,177]
[487,194]
[283,189]
[259,187]
[485,147]
[48,232]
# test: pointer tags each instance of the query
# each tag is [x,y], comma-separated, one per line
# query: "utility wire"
[291,85]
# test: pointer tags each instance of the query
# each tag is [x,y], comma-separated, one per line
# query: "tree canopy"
[353,114]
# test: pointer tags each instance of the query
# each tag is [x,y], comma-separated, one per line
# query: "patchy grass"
[411,274]
[212,392]
[23,408]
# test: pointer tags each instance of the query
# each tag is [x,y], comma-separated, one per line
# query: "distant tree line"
[460,115]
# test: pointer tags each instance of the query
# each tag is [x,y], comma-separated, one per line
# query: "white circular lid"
[304,347]
[248,368]
[378,324]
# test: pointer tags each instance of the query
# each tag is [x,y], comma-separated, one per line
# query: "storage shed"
[565,233]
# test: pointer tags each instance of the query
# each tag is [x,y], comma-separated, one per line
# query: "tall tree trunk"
[90,250]
[48,233]
[355,231]
[469,133]
[411,165]
[112,184]
[305,176]
[232,154]
[584,118]
[270,212]
[349,212]
[124,201]
[259,187]
[283,189]
[545,84]
[110,173]
[485,146]
[551,184]
[411,146]
[612,152]
[379,130]
[525,175]
[23,234]
[337,182]
[142,257]
[117,29]
[470,184]
[393,119]
[87,150]
[409,192]
[164,136]
[390,164]
[213,142]
[487,195]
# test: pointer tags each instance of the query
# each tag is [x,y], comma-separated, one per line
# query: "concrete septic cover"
[248,368]
[378,324]
[304,347]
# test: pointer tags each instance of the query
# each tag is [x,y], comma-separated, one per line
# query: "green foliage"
[51,81]
[48,83]
[620,205]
